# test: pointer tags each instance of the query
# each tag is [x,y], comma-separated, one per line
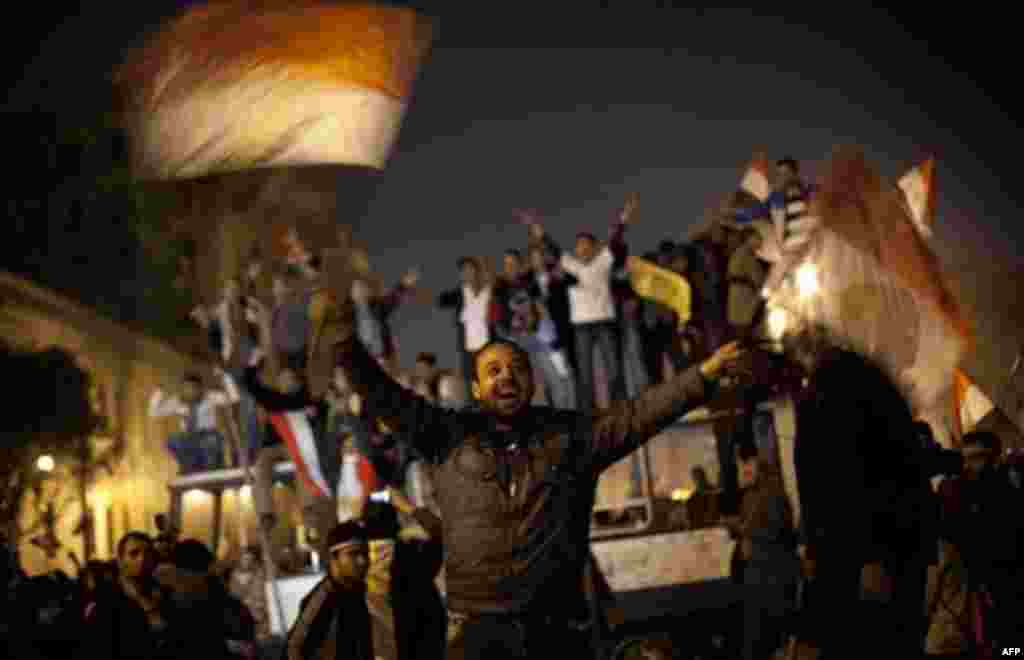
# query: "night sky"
[569,113]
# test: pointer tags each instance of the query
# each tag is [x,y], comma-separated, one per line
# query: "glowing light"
[778,322]
[246,491]
[99,498]
[807,280]
[46,463]
[682,494]
[191,496]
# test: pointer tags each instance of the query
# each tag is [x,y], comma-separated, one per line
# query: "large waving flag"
[918,185]
[866,273]
[237,85]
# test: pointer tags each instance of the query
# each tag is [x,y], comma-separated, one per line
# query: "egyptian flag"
[231,86]
[295,430]
[263,114]
[918,188]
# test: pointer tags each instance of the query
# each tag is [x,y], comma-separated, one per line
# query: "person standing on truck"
[299,426]
[199,445]
[516,486]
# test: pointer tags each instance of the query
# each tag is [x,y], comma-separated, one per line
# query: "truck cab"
[664,551]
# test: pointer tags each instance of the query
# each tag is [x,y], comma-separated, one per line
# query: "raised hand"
[629,210]
[253,270]
[411,278]
[531,219]
[200,316]
[526,216]
[256,312]
[723,358]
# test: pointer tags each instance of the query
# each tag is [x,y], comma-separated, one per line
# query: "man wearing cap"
[333,621]
[515,486]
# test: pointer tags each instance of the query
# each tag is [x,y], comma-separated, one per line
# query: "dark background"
[568,111]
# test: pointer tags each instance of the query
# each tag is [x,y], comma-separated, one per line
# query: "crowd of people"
[503,490]
[165,597]
[560,306]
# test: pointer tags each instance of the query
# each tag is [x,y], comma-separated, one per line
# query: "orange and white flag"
[234,85]
[918,189]
[757,178]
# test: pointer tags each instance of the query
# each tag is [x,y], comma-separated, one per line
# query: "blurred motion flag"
[295,430]
[918,187]
[757,180]
[234,85]
[867,275]
[662,286]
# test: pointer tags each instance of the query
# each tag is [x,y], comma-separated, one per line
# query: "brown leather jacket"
[516,504]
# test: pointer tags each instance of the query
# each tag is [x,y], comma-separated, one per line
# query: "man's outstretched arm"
[628,424]
[429,428]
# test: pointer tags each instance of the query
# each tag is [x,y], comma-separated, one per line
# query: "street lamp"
[45,463]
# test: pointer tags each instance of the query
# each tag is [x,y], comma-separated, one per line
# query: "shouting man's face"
[504,380]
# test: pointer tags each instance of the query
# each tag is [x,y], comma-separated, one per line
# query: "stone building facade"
[125,366]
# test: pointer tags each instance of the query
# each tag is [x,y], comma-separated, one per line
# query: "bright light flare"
[46,463]
[778,323]
[682,494]
[807,281]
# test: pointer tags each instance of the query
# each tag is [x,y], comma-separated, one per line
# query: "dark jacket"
[767,525]
[516,504]
[332,623]
[119,630]
[414,605]
[975,518]
[208,612]
[556,297]
[857,461]
[510,305]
